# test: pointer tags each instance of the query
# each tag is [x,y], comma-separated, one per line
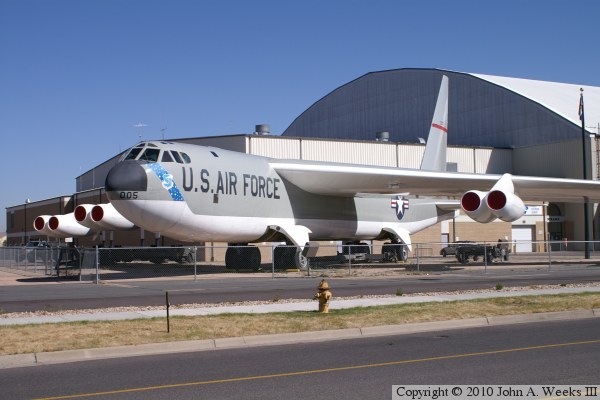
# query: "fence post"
[97,265]
[418,257]
[549,248]
[349,260]
[273,262]
[485,257]
[195,264]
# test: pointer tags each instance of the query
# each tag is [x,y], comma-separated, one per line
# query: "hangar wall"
[387,154]
[561,160]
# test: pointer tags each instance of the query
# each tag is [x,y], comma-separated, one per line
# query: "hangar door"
[522,237]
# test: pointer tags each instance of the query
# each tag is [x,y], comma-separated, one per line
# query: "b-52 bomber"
[195,193]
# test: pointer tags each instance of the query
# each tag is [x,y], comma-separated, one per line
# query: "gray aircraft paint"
[230,184]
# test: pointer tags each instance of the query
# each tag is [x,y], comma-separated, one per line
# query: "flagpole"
[586,212]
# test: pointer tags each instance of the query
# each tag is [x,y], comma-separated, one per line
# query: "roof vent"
[262,129]
[382,136]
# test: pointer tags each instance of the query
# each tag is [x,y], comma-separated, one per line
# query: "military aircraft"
[197,193]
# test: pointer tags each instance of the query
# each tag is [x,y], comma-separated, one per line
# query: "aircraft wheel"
[252,259]
[402,253]
[231,258]
[284,257]
[300,261]
[389,252]
[242,257]
[395,252]
[188,258]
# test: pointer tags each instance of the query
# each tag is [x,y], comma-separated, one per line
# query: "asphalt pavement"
[38,293]
[542,353]
[199,345]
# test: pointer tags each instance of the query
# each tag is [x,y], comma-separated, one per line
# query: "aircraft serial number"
[128,195]
[225,182]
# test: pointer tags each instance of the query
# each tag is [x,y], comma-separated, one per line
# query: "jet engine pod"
[475,206]
[66,225]
[107,217]
[40,224]
[505,205]
[82,215]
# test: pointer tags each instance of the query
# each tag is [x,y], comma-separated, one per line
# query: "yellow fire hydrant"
[323,295]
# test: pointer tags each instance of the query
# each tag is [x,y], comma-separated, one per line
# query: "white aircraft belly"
[176,220]
[363,230]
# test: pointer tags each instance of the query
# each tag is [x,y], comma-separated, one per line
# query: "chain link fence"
[358,259]
[35,260]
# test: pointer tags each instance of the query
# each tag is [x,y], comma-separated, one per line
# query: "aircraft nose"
[126,175]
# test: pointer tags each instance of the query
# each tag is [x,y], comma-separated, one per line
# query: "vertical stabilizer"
[434,158]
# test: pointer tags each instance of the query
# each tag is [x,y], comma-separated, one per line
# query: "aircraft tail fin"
[434,158]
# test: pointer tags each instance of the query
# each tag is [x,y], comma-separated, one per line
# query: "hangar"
[496,125]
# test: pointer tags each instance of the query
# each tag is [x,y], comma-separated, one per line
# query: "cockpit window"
[166,157]
[177,157]
[133,153]
[150,155]
[152,145]
[186,158]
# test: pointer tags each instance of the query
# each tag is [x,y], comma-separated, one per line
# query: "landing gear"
[394,252]
[359,248]
[242,257]
[289,257]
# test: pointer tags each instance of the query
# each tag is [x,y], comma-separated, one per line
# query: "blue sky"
[75,76]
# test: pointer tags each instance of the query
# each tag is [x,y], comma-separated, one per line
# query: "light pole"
[586,212]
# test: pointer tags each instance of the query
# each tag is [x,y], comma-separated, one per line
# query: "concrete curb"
[34,359]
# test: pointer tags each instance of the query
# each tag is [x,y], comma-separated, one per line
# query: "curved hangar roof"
[483,110]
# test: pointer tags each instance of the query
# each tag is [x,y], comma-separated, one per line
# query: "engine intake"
[475,206]
[500,202]
[507,206]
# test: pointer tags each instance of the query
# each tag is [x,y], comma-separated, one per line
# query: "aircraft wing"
[349,180]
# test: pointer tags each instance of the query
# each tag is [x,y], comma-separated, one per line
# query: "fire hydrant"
[323,295]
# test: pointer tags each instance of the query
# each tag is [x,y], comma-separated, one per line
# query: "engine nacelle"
[66,226]
[107,217]
[475,206]
[505,205]
[82,215]
[40,224]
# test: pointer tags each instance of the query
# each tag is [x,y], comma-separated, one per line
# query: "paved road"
[74,295]
[542,353]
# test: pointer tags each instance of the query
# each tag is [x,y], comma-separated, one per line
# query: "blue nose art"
[126,176]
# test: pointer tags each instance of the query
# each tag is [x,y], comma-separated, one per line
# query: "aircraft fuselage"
[196,193]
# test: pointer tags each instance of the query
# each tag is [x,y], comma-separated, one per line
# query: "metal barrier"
[36,260]
[359,259]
